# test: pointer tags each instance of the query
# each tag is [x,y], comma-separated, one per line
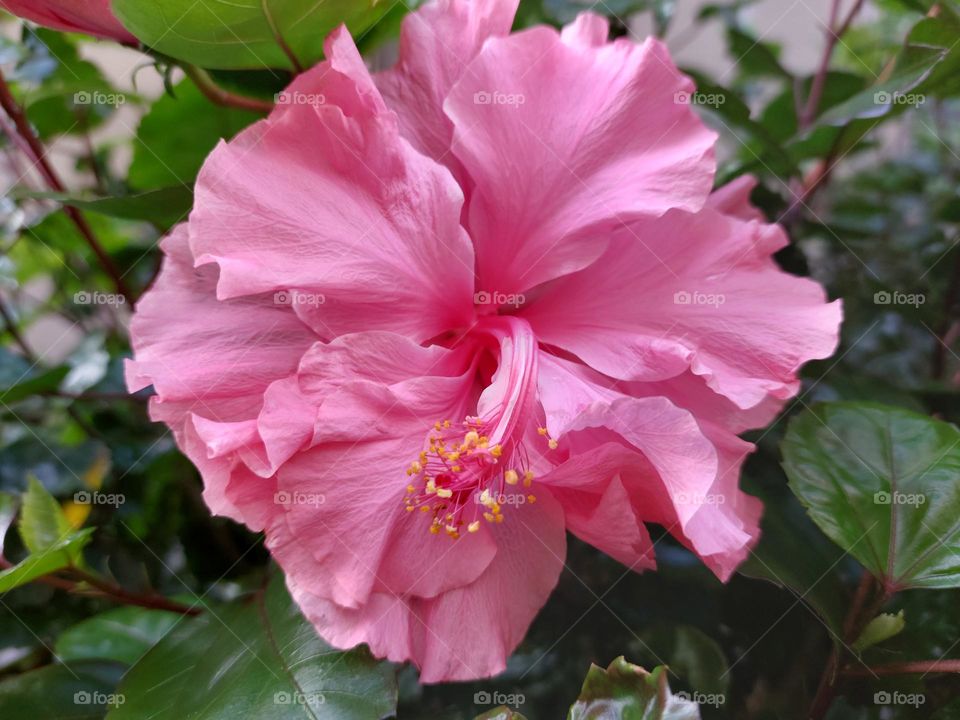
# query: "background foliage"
[122,597]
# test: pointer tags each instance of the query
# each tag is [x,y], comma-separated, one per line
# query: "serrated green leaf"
[627,692]
[42,523]
[882,627]
[881,482]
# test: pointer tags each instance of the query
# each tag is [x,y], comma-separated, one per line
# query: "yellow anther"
[474,526]
[496,451]
[410,488]
[416,468]
[542,430]
[456,468]
[531,499]
[431,487]
[444,492]
[435,529]
[424,509]
[453,457]
[471,438]
[552,444]
[511,477]
[436,425]
[488,517]
[528,478]
[446,423]
[410,508]
[499,518]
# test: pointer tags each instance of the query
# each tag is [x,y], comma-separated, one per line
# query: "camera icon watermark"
[485,697]
[711,699]
[86,497]
[495,97]
[714,100]
[685,297]
[84,297]
[97,97]
[700,499]
[295,97]
[287,498]
[882,97]
[293,298]
[110,700]
[299,698]
[499,299]
[884,697]
[884,297]
[883,497]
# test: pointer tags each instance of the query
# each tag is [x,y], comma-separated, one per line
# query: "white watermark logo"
[883,297]
[896,697]
[684,297]
[85,697]
[83,297]
[882,97]
[700,499]
[298,698]
[714,100]
[484,697]
[883,497]
[284,497]
[711,699]
[495,97]
[292,298]
[499,299]
[85,497]
[295,97]
[99,98]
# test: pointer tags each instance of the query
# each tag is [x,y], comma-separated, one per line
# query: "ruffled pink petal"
[565,140]
[327,209]
[93,17]
[210,363]
[465,633]
[676,470]
[734,199]
[695,291]
[437,43]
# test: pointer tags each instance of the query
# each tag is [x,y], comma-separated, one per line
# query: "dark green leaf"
[34,384]
[123,635]
[80,691]
[244,35]
[881,483]
[164,207]
[56,557]
[255,659]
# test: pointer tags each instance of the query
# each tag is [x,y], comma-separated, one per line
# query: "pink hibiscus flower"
[93,17]
[422,323]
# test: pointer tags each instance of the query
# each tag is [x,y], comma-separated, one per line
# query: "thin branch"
[834,34]
[219,96]
[116,592]
[38,155]
[905,668]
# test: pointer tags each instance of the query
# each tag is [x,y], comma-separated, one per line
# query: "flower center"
[472,471]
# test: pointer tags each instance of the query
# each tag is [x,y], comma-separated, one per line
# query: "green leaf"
[80,691]
[42,522]
[883,627]
[33,384]
[881,482]
[754,57]
[258,659]
[164,207]
[245,35]
[123,635]
[692,654]
[628,692]
[177,134]
[56,557]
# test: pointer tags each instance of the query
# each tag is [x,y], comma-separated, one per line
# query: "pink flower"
[420,324]
[93,17]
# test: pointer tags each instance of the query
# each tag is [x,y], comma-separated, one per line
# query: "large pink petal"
[87,16]
[326,207]
[465,633]
[437,42]
[699,292]
[564,140]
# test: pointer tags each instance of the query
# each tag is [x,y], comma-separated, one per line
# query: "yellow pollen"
[527,478]
[511,477]
[410,508]
[435,529]
[542,431]
[531,499]
[424,509]
[444,492]
[453,457]
[474,526]
[499,518]
[496,451]
[471,438]
[488,517]
[552,444]
[446,423]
